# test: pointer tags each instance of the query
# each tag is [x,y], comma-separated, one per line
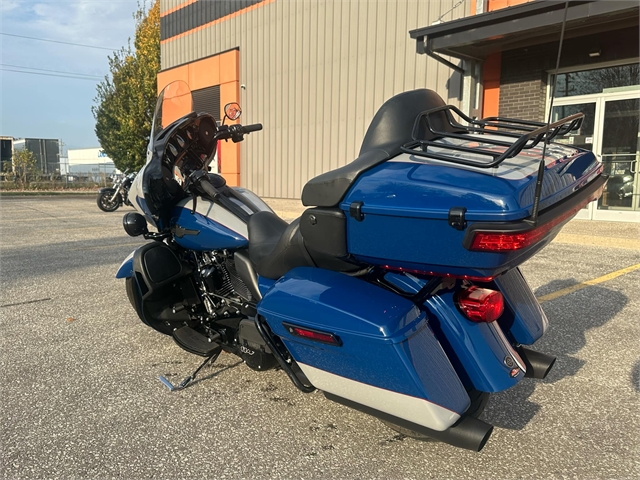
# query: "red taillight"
[497,242]
[488,241]
[471,278]
[316,335]
[480,304]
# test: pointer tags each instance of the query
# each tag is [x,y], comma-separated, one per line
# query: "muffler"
[538,364]
[468,432]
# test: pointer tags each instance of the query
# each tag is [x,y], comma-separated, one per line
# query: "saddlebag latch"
[355,211]
[456,218]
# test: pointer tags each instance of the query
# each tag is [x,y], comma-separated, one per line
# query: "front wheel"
[104,200]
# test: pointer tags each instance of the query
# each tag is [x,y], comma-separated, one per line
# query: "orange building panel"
[223,70]
[498,4]
[491,85]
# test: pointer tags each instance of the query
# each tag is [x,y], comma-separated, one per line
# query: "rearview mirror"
[232,111]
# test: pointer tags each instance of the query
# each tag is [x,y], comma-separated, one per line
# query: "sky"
[40,105]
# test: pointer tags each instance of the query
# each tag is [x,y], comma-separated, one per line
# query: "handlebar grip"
[252,128]
[208,189]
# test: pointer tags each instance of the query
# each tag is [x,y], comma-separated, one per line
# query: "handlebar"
[210,190]
[256,127]
[236,132]
[200,179]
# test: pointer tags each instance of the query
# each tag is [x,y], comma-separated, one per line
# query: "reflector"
[316,335]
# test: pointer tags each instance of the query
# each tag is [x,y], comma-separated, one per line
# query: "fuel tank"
[213,226]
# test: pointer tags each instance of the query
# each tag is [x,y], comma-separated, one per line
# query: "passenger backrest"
[392,126]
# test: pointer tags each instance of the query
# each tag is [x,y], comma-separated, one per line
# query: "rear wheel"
[104,201]
[478,399]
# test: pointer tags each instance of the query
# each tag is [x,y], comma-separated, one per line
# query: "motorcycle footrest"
[194,342]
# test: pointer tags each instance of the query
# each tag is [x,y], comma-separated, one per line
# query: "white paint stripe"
[218,214]
[416,410]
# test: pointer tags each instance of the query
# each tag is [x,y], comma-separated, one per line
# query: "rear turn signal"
[480,304]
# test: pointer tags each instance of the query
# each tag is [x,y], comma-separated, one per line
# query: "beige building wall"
[314,73]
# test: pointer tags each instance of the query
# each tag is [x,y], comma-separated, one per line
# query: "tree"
[24,164]
[125,100]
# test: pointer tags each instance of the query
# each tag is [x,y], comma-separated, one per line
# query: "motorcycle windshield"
[159,188]
[174,102]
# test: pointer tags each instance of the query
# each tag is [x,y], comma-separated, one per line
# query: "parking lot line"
[581,285]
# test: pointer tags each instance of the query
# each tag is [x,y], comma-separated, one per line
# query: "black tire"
[104,202]
[479,401]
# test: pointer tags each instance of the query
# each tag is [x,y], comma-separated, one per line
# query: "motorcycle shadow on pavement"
[635,377]
[570,317]
[218,368]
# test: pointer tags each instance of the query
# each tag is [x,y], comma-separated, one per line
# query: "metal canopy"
[528,24]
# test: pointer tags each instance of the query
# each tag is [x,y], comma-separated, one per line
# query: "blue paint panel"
[387,342]
[212,235]
[264,284]
[427,190]
[406,207]
[126,269]
[474,348]
[526,320]
[429,246]
[476,353]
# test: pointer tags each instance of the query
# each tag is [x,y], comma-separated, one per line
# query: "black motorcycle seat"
[275,247]
[391,127]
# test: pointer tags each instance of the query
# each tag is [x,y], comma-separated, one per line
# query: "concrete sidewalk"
[578,232]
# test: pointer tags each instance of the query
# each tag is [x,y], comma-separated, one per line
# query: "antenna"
[536,199]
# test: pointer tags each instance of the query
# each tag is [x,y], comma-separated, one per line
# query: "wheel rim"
[106,204]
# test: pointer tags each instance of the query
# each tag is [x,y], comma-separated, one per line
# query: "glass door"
[584,137]
[609,96]
[620,151]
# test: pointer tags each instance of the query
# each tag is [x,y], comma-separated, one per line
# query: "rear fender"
[523,318]
[480,352]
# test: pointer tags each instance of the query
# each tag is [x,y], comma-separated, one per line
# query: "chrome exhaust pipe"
[538,364]
[468,432]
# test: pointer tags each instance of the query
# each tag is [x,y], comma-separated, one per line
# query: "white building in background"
[90,160]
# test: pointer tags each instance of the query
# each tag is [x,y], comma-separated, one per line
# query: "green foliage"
[24,165]
[125,100]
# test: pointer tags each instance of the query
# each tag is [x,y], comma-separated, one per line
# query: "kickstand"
[190,378]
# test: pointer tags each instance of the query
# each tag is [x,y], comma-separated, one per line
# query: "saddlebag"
[364,344]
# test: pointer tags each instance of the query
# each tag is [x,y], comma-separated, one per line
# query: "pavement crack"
[25,303]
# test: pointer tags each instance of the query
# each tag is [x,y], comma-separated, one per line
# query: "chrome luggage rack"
[439,124]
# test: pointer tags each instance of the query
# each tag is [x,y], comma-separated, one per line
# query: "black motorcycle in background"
[110,199]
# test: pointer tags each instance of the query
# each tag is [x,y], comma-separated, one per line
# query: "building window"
[207,100]
[600,80]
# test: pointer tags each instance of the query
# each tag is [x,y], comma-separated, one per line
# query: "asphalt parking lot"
[80,398]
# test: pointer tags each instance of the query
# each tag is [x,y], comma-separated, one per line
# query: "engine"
[227,301]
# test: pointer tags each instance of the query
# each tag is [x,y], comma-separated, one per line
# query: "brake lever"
[195,203]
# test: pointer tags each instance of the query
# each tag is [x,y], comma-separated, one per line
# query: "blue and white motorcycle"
[397,292]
